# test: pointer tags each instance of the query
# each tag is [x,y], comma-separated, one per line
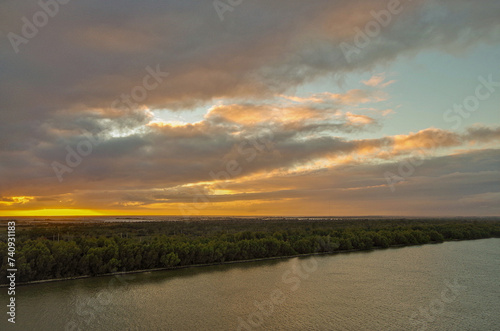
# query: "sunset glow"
[177,112]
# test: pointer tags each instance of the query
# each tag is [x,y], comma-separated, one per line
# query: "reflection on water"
[450,286]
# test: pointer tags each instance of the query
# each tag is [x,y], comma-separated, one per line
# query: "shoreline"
[53,280]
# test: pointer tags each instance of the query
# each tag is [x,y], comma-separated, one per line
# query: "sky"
[250,107]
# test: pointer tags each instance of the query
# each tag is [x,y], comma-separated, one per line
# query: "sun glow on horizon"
[52,212]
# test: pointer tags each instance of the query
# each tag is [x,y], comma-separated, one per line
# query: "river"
[448,286]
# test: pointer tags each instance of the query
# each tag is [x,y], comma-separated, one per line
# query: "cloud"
[62,86]
[189,159]
[375,80]
[249,55]
[463,184]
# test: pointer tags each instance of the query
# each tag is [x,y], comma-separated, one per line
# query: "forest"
[62,250]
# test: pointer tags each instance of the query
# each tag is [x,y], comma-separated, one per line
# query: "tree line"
[40,257]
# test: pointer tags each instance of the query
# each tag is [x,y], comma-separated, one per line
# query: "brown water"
[449,286]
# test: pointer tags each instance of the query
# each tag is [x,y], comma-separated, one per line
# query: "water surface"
[449,286]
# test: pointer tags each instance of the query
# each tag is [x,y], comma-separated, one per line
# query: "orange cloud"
[426,139]
[254,114]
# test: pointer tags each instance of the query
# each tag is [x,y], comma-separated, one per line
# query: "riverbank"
[224,263]
[68,252]
[381,290]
